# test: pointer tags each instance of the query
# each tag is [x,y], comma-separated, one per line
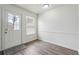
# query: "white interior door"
[28,29]
[12,29]
[0,29]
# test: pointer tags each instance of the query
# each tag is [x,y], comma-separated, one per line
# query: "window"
[16,23]
[10,18]
[30,25]
[13,20]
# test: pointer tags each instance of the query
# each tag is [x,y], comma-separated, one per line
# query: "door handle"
[5,32]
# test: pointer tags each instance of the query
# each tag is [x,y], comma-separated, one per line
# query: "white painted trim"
[60,32]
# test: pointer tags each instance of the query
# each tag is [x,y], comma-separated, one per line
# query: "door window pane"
[10,18]
[13,21]
[16,23]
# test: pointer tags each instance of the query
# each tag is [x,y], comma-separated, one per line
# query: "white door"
[12,29]
[28,29]
[0,29]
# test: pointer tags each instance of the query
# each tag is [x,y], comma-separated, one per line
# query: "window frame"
[32,25]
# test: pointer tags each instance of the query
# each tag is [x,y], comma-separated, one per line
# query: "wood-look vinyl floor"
[39,47]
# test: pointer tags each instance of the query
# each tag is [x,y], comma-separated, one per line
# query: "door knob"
[5,32]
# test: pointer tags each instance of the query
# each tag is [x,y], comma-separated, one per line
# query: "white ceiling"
[37,8]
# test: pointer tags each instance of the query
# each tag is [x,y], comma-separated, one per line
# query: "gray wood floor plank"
[39,47]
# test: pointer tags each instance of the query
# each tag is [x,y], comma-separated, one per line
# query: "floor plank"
[39,47]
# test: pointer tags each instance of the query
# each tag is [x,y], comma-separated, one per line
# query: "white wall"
[78,28]
[59,26]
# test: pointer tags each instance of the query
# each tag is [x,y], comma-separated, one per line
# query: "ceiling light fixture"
[45,5]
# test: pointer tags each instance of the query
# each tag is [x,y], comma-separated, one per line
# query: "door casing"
[0,29]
